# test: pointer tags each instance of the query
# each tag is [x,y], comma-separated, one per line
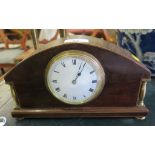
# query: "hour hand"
[79,73]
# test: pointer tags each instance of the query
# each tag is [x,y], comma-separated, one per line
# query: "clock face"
[75,77]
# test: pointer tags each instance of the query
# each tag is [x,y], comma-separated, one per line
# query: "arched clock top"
[108,54]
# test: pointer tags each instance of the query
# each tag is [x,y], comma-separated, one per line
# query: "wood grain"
[81,112]
[123,77]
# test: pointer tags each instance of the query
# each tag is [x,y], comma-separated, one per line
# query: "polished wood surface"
[81,112]
[123,79]
[8,107]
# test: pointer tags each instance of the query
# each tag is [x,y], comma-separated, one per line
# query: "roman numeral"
[63,64]
[74,98]
[92,72]
[56,71]
[57,89]
[74,61]
[91,90]
[65,95]
[94,81]
[54,81]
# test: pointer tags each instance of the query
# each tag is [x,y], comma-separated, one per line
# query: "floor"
[7,104]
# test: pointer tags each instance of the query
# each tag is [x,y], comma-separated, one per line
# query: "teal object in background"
[140,42]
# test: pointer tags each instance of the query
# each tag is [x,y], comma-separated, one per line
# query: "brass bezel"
[87,57]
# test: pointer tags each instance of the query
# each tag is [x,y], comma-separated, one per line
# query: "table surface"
[7,104]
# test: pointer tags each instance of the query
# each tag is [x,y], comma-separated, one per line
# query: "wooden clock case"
[122,95]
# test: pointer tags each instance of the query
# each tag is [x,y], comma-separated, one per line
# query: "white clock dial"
[75,77]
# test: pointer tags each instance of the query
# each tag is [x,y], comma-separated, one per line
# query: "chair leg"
[2,70]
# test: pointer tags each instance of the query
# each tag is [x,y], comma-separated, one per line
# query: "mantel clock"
[79,76]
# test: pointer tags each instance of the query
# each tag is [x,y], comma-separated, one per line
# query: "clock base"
[137,111]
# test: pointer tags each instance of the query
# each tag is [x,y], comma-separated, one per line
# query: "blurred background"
[18,44]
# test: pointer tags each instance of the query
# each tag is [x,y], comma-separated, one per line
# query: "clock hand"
[82,68]
[79,68]
[79,73]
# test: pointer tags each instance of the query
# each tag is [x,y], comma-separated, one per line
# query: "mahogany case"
[122,95]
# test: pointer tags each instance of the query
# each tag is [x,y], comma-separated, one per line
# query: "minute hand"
[79,73]
[82,69]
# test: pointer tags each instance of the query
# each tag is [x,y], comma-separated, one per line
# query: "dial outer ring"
[88,58]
